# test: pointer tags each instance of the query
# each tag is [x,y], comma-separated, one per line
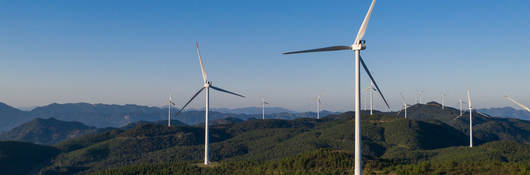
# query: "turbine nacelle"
[359,46]
[207,84]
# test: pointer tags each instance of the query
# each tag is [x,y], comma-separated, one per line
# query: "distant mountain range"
[507,112]
[253,110]
[104,115]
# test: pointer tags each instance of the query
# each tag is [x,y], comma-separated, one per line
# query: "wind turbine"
[517,103]
[418,99]
[207,85]
[460,101]
[169,111]
[263,103]
[318,107]
[371,89]
[358,45]
[405,105]
[470,119]
[443,102]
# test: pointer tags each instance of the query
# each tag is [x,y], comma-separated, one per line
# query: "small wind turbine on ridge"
[169,111]
[318,107]
[405,105]
[207,85]
[263,103]
[443,101]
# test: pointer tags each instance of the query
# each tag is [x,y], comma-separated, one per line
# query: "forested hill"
[389,142]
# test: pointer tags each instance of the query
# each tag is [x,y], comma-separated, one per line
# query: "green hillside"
[492,158]
[253,140]
[48,131]
[24,158]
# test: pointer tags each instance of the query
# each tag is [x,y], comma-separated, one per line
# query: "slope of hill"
[507,112]
[47,131]
[492,158]
[485,128]
[11,117]
[257,140]
[19,158]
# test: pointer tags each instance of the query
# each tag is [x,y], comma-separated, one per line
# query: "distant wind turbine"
[358,45]
[207,86]
[405,105]
[443,101]
[418,99]
[460,101]
[169,111]
[371,89]
[517,103]
[318,107]
[470,119]
[263,103]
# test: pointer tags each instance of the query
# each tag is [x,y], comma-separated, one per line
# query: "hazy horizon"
[130,52]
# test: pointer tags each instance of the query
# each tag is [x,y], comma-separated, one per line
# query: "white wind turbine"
[169,111]
[443,100]
[263,103]
[207,86]
[517,103]
[418,99]
[460,101]
[470,119]
[371,89]
[318,107]
[405,105]
[358,45]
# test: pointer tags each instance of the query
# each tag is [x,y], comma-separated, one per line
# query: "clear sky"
[137,52]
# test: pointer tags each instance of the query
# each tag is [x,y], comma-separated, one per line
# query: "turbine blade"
[517,103]
[225,91]
[202,65]
[485,115]
[193,97]
[403,99]
[469,98]
[325,49]
[372,78]
[362,30]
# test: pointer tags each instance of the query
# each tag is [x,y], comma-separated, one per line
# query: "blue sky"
[137,52]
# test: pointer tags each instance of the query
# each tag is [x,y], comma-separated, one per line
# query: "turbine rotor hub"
[361,45]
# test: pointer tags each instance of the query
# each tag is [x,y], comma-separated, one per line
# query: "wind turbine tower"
[358,45]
